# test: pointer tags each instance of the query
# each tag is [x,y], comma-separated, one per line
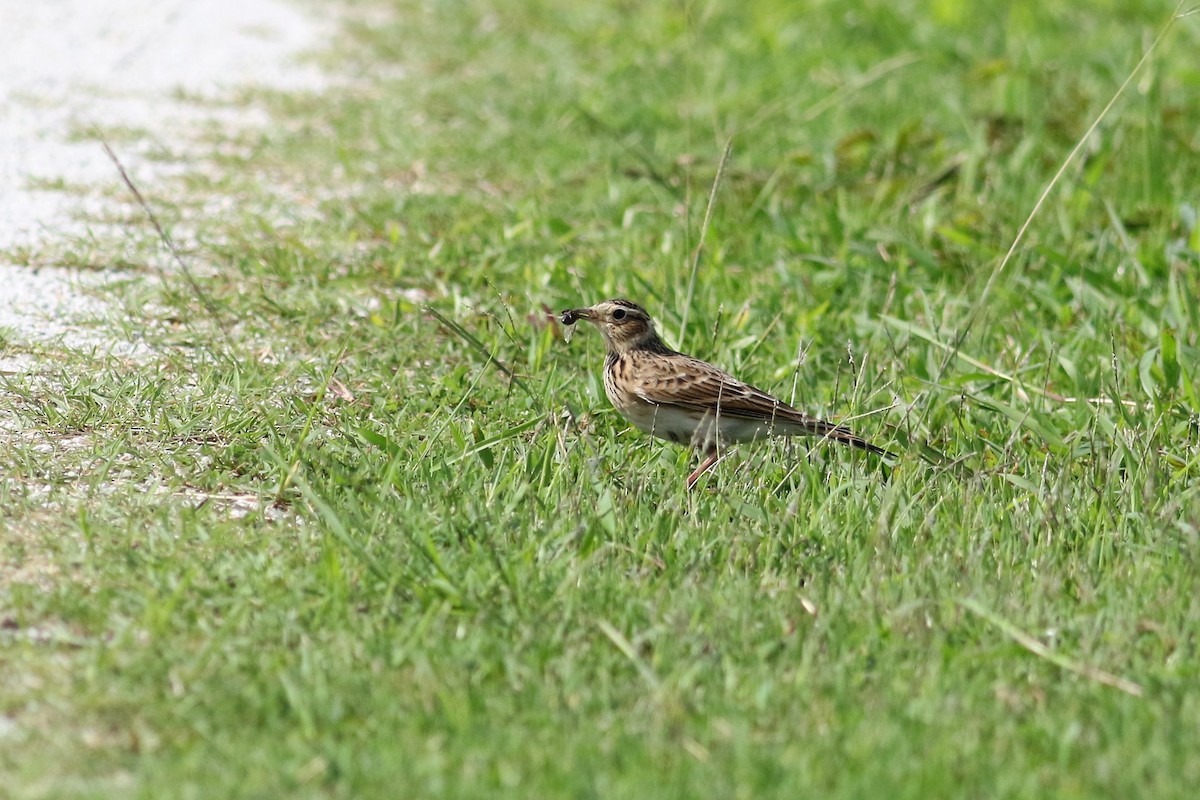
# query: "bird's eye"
[619,314]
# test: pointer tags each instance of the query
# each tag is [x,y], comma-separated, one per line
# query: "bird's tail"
[843,435]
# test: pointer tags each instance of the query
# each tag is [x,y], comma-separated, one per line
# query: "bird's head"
[624,325]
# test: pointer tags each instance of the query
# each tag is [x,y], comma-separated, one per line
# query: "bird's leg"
[705,466]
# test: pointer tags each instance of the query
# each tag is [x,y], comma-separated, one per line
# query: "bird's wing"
[698,386]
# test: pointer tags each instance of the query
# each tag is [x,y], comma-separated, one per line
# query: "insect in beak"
[573,315]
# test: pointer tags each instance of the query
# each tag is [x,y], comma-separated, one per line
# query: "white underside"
[702,432]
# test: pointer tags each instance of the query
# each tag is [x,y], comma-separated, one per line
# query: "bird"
[688,401]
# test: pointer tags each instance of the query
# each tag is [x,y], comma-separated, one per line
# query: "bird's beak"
[573,315]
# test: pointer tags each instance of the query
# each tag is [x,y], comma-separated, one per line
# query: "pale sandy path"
[68,64]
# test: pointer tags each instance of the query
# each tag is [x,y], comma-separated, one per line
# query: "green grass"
[364,524]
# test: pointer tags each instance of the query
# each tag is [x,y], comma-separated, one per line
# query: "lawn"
[360,521]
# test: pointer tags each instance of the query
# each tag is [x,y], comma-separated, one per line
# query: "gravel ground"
[66,65]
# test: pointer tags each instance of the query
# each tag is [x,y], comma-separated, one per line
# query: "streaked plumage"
[686,400]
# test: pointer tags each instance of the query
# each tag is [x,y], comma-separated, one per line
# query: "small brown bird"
[688,401]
